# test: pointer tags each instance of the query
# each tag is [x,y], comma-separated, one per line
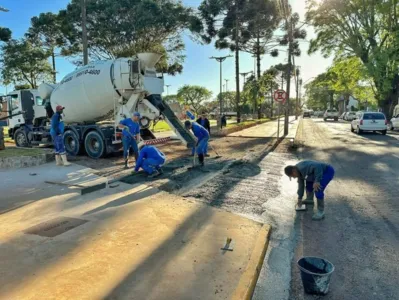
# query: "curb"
[246,285]
[18,162]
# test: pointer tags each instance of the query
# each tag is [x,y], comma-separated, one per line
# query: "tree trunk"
[54,71]
[258,60]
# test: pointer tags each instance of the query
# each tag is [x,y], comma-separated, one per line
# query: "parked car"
[331,114]
[369,121]
[342,117]
[394,123]
[319,114]
[350,116]
[306,114]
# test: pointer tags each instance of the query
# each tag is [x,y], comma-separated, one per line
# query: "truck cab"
[26,111]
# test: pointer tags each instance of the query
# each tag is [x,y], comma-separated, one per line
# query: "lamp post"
[167,88]
[245,74]
[220,60]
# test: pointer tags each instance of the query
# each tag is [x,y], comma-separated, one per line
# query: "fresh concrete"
[138,243]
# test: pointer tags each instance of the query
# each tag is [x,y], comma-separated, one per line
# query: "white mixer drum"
[88,94]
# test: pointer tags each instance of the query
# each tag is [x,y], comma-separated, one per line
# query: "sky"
[198,68]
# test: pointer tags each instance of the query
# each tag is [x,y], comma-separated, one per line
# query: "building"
[352,104]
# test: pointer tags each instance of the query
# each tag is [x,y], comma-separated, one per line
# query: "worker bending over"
[150,160]
[130,136]
[202,136]
[315,176]
[204,122]
[57,132]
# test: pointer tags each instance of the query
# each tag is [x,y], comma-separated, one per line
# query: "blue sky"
[198,68]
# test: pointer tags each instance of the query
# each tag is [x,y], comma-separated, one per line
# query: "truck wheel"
[384,132]
[71,142]
[21,139]
[94,145]
[336,119]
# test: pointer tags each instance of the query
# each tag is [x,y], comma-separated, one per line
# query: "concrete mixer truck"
[96,97]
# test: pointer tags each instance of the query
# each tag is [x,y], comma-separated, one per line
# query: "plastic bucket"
[315,273]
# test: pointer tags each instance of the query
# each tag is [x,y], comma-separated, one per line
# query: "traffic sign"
[280,96]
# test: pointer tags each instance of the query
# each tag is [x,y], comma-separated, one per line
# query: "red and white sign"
[280,96]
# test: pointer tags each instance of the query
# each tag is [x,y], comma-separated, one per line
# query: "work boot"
[58,160]
[64,160]
[126,163]
[319,215]
[201,159]
[309,198]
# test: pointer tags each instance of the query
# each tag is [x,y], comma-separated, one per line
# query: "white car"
[369,121]
[331,114]
[350,116]
[394,123]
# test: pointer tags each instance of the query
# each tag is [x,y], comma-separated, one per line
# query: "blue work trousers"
[206,150]
[202,147]
[127,144]
[328,175]
[59,144]
[151,164]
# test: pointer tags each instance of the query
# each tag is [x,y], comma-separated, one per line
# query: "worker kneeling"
[317,176]
[202,136]
[150,160]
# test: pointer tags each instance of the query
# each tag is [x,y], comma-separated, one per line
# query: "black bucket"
[315,273]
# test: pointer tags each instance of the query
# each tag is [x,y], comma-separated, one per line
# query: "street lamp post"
[227,87]
[220,60]
[167,88]
[245,74]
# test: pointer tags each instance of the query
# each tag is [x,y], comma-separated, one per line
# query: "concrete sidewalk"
[125,242]
[268,129]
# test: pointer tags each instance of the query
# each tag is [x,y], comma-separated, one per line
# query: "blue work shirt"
[57,126]
[150,152]
[199,131]
[190,115]
[134,127]
[203,123]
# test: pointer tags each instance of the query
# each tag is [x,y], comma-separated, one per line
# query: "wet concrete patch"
[55,226]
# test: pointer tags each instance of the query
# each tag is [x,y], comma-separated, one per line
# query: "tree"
[260,89]
[126,27]
[5,34]
[229,100]
[24,62]
[45,32]
[24,86]
[366,29]
[225,21]
[194,96]
[291,39]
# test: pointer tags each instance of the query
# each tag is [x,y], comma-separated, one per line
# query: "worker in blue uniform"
[204,122]
[57,132]
[314,176]
[202,136]
[130,136]
[150,160]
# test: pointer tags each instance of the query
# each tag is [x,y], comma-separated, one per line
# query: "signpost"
[280,96]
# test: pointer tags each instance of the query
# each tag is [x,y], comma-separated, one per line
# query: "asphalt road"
[360,234]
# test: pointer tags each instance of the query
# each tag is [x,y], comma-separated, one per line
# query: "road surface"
[360,234]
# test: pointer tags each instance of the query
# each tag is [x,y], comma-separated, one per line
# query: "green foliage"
[229,101]
[24,63]
[126,27]
[45,32]
[5,34]
[345,77]
[366,29]
[22,87]
[194,96]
